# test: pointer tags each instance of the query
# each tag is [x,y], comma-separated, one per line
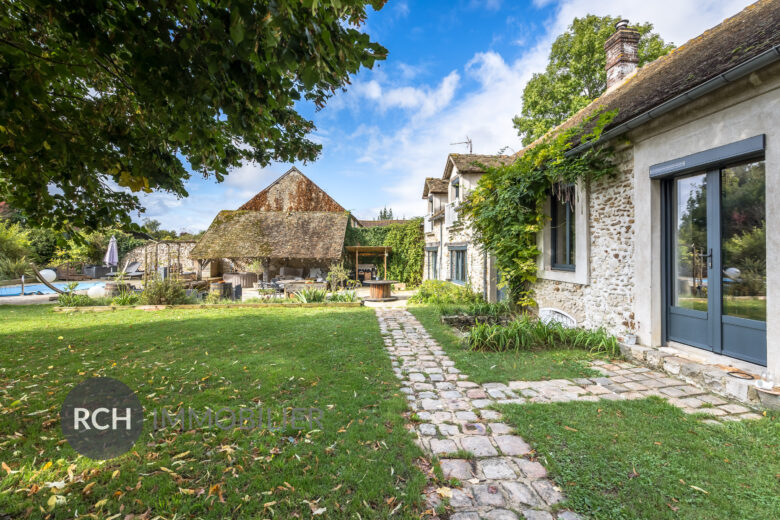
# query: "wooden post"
[357,278]
[266,268]
[384,276]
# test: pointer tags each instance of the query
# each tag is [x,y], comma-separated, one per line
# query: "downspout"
[441,250]
[484,274]
[757,62]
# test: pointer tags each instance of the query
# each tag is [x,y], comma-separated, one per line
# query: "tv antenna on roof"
[468,142]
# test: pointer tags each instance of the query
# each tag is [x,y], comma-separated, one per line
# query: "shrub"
[168,291]
[126,298]
[311,295]
[526,333]
[13,268]
[439,292]
[344,296]
[477,308]
[338,275]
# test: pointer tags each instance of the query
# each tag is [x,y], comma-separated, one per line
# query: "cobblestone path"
[499,481]
[453,420]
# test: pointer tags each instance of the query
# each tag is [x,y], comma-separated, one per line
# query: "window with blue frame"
[456,189]
[562,234]
[458,265]
[433,272]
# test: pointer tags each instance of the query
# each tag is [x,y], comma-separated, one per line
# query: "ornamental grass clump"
[527,333]
[478,308]
[343,297]
[311,295]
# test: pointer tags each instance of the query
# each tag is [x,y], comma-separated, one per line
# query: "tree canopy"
[100,100]
[575,73]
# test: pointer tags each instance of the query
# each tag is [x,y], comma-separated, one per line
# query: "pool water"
[39,288]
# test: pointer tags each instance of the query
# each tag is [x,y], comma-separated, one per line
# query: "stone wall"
[179,252]
[607,299]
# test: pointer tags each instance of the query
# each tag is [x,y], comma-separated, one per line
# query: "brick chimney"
[622,53]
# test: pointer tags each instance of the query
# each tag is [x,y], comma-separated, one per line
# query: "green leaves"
[101,100]
[506,208]
[576,74]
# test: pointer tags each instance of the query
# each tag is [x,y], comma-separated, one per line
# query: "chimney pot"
[622,49]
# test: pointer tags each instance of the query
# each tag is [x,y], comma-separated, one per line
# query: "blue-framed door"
[715,260]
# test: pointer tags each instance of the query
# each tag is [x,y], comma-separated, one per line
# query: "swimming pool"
[39,288]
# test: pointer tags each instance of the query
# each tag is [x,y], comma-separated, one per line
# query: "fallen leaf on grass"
[697,488]
[673,508]
[569,428]
[319,511]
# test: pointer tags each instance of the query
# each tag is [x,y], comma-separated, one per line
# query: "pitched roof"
[273,234]
[434,185]
[293,191]
[472,162]
[380,223]
[744,36]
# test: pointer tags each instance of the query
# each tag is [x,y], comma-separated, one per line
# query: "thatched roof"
[273,234]
[293,191]
[472,163]
[754,30]
[434,185]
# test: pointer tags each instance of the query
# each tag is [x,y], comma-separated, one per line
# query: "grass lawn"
[362,461]
[646,459]
[501,367]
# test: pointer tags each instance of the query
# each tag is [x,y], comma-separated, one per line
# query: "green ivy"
[506,209]
[405,262]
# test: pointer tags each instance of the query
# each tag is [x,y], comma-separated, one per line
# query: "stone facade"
[445,230]
[166,253]
[606,298]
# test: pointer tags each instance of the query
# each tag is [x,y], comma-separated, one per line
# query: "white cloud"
[253,177]
[419,148]
[423,101]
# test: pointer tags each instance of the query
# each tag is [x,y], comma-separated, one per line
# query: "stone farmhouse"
[449,251]
[680,248]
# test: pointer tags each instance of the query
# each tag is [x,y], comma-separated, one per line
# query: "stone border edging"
[708,377]
[105,308]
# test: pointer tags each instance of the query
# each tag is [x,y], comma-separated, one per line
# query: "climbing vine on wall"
[506,209]
[405,263]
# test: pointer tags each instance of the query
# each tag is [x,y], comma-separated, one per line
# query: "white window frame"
[581,272]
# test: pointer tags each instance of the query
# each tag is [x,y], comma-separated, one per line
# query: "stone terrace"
[455,420]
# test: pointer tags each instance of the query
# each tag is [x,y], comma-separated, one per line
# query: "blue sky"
[455,68]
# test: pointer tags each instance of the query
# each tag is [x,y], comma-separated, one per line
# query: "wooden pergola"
[369,251]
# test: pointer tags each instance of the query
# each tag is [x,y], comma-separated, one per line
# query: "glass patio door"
[717,262]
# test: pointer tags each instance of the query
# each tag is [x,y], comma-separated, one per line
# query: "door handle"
[708,256]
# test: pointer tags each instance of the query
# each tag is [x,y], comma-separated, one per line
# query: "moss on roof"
[434,185]
[273,234]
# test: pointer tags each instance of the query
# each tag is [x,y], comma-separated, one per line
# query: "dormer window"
[430,204]
[456,189]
